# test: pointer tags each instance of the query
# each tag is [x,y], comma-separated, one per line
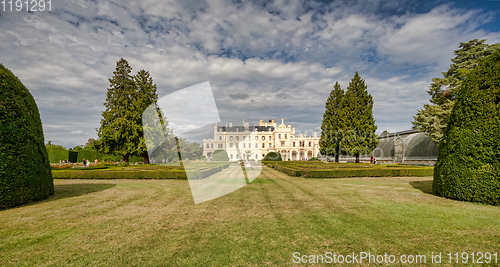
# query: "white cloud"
[282,57]
[78,132]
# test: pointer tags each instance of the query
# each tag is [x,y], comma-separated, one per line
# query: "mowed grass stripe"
[155,222]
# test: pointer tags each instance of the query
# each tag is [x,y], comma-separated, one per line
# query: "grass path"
[155,222]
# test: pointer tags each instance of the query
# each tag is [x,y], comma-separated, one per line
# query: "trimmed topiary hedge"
[468,166]
[220,155]
[272,156]
[24,165]
[59,155]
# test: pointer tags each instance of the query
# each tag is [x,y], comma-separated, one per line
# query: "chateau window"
[309,143]
[301,143]
[237,138]
[231,138]
[208,146]
[279,135]
[211,145]
[270,144]
[220,145]
[256,138]
[244,145]
[244,137]
[220,137]
[282,143]
[263,138]
[231,156]
[231,145]
[285,136]
[263,145]
[237,156]
[237,145]
[256,145]
[270,137]
[293,144]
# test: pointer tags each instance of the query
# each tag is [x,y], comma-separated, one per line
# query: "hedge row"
[349,170]
[385,172]
[117,174]
[137,173]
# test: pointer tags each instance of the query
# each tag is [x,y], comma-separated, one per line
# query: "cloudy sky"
[263,59]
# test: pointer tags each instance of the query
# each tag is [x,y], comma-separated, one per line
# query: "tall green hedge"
[24,165]
[55,156]
[468,166]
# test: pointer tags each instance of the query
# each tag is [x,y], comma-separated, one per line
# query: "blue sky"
[264,59]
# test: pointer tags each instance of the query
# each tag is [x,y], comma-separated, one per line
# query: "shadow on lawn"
[76,190]
[424,186]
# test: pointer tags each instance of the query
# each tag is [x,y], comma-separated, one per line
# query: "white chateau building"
[254,142]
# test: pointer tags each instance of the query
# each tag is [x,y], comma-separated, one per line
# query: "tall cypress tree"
[144,96]
[332,123]
[120,131]
[359,125]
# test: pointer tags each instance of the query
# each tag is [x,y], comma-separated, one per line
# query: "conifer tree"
[359,125]
[332,123]
[121,126]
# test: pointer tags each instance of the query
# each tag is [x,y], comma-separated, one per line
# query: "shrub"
[468,166]
[24,164]
[220,155]
[272,156]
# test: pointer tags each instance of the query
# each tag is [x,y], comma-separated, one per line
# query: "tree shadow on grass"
[424,186]
[68,190]
[76,190]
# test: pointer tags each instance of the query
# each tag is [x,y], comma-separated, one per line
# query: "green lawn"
[154,222]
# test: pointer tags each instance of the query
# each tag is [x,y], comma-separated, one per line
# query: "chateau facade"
[254,142]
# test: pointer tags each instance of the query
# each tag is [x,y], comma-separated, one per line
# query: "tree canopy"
[433,118]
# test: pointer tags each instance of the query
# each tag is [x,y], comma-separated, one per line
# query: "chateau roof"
[242,128]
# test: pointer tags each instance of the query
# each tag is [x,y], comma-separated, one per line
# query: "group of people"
[86,161]
[373,160]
